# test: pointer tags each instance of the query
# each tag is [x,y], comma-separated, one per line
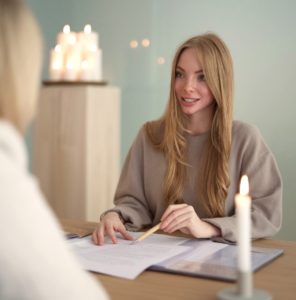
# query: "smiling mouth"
[190,100]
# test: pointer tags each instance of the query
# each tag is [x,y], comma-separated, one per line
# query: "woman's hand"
[110,224]
[184,218]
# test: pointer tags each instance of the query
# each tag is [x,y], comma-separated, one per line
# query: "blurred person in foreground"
[34,258]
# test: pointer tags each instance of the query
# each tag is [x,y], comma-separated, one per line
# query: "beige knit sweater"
[139,198]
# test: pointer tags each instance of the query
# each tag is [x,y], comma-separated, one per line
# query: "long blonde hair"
[20,63]
[213,181]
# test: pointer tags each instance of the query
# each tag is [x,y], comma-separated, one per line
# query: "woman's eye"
[178,74]
[201,77]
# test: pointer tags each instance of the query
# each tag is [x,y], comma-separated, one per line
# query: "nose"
[189,85]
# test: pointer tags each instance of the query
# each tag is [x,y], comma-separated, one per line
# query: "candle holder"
[244,290]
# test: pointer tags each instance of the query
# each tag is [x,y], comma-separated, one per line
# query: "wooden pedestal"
[76,148]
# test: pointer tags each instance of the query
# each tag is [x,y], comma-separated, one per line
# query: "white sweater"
[35,262]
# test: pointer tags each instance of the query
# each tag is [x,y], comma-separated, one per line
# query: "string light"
[134,44]
[145,43]
[160,60]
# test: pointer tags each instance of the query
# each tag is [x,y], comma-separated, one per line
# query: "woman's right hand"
[109,225]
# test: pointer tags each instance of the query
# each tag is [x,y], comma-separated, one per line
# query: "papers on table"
[213,260]
[126,259]
[201,258]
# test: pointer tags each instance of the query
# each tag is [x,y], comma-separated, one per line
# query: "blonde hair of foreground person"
[36,263]
[20,63]
[214,180]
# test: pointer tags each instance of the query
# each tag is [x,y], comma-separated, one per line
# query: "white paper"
[200,250]
[126,259]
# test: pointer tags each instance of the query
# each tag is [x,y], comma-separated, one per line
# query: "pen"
[148,232]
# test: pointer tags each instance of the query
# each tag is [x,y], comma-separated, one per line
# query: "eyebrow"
[196,72]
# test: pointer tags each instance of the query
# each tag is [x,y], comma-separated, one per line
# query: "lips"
[189,100]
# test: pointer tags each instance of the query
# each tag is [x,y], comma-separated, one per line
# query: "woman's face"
[191,89]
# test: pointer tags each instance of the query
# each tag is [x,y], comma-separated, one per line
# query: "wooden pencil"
[148,232]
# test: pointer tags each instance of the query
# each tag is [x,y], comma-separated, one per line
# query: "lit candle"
[244,289]
[94,57]
[243,204]
[85,73]
[77,56]
[66,38]
[56,63]
[88,38]
[70,72]
[73,57]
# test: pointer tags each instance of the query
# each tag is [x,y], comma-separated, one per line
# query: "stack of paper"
[126,259]
[202,258]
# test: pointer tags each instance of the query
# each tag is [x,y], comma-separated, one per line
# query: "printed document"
[126,259]
[166,253]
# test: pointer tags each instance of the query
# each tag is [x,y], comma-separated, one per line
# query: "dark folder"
[221,265]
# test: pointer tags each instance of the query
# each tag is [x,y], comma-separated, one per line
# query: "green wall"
[260,34]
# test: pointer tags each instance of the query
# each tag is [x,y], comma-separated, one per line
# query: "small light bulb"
[160,60]
[145,43]
[134,44]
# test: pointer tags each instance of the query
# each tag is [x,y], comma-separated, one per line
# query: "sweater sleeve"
[130,200]
[259,164]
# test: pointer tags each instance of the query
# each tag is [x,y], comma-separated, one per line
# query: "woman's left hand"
[184,218]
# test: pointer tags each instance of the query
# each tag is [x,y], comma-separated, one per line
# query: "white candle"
[66,38]
[85,73]
[88,38]
[243,204]
[70,72]
[56,63]
[77,57]
[94,57]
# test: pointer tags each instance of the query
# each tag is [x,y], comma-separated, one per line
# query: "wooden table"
[278,278]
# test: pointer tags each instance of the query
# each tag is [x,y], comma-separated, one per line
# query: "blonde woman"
[35,261]
[183,170]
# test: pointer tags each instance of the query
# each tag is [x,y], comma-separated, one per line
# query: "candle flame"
[58,48]
[244,185]
[87,28]
[66,29]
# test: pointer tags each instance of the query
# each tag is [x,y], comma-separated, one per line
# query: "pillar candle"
[56,63]
[243,204]
[66,38]
[70,72]
[88,38]
[94,57]
[85,73]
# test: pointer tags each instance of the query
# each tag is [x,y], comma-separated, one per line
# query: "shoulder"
[247,137]
[243,132]
[244,129]
[150,133]
[155,131]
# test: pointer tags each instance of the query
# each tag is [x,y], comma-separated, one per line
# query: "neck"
[201,122]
